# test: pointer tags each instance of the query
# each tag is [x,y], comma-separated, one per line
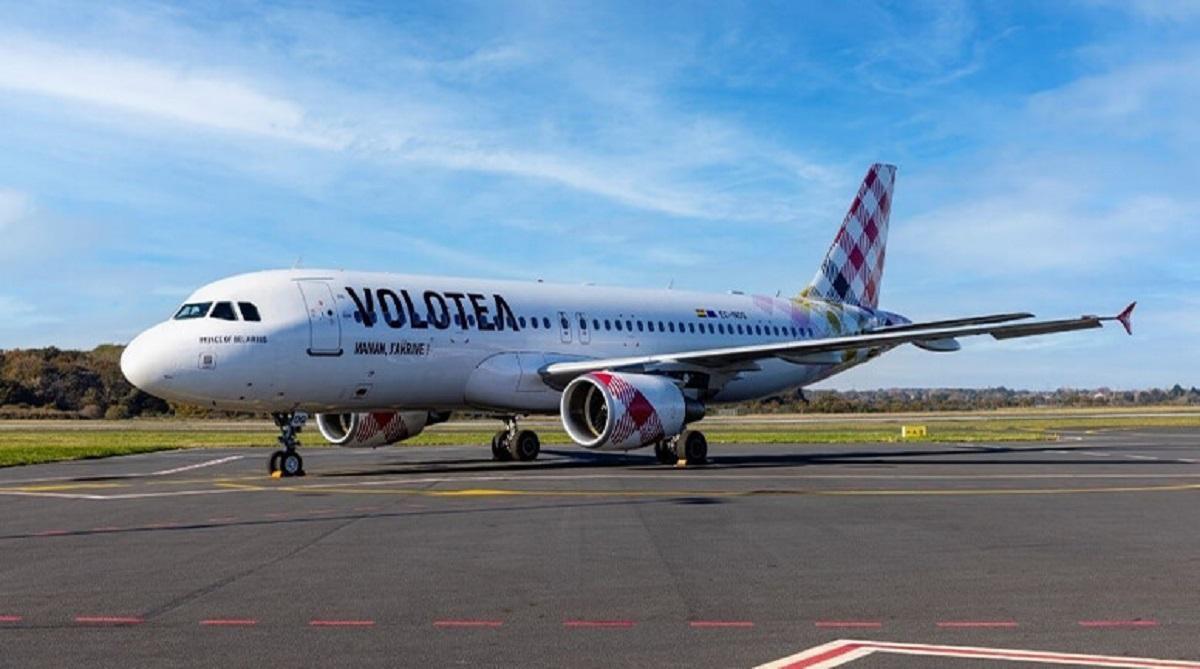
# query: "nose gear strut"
[287,462]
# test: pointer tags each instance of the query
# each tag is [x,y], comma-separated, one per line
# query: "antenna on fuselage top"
[299,261]
[671,283]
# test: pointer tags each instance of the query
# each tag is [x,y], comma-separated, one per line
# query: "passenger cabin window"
[196,310]
[223,311]
[249,311]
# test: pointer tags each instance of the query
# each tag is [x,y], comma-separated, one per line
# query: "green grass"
[31,442]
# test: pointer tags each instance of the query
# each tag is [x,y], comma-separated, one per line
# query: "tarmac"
[437,556]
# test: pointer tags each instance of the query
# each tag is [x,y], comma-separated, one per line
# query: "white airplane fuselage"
[315,351]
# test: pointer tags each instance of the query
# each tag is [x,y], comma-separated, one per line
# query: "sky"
[1048,155]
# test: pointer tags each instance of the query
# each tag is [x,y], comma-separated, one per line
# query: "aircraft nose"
[146,364]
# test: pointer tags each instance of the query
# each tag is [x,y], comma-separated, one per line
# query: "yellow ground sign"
[909,431]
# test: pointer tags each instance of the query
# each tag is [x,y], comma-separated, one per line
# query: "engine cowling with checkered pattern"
[611,411]
[369,430]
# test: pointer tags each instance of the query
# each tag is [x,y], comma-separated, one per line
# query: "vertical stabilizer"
[853,267]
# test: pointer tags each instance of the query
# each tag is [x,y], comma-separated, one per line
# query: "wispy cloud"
[176,93]
[14,206]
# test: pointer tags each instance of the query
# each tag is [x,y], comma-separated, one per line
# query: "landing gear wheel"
[664,454]
[525,446]
[500,452]
[693,447]
[273,463]
[291,464]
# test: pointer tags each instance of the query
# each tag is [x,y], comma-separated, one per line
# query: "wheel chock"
[681,462]
[277,474]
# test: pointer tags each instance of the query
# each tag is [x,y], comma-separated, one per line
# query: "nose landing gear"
[287,462]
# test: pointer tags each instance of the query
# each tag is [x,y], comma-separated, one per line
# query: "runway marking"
[468,623]
[341,623]
[108,620]
[198,465]
[229,622]
[603,624]
[11,619]
[844,651]
[977,624]
[1118,623]
[848,624]
[711,624]
[1142,457]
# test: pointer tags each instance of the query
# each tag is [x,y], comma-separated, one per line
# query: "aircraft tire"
[291,464]
[273,462]
[525,446]
[693,446]
[664,454]
[500,452]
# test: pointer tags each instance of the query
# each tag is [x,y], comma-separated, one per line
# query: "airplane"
[380,357]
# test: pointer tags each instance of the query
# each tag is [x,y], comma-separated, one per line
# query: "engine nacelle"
[368,430]
[611,411]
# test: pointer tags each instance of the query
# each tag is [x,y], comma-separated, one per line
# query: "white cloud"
[176,93]
[1048,224]
[14,207]
[654,162]
[1155,98]
[20,314]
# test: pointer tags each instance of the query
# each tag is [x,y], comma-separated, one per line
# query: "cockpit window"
[249,311]
[223,311]
[195,310]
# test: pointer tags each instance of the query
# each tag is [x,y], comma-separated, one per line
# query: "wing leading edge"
[999,327]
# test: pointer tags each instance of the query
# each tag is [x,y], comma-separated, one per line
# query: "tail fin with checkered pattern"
[853,267]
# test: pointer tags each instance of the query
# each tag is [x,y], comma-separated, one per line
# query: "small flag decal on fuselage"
[706,313]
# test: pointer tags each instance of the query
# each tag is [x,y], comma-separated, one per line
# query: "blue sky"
[1048,157]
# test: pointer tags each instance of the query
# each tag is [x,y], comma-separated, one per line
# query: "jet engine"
[610,411]
[369,430]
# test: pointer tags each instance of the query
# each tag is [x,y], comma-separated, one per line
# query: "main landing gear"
[514,443]
[689,445]
[287,462]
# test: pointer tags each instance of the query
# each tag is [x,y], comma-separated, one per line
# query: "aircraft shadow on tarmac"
[575,460]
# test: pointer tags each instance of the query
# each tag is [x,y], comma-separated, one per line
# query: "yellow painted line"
[62,486]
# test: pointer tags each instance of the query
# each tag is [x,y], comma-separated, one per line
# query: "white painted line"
[1142,457]
[198,465]
[844,651]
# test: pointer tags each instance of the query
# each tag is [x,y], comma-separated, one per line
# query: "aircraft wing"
[810,350]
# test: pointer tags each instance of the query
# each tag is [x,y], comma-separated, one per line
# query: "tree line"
[56,383]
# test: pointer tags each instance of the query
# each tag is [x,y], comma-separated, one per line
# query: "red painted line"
[342,623]
[623,624]
[706,624]
[108,620]
[855,624]
[830,654]
[106,528]
[10,619]
[222,519]
[468,623]
[1118,623]
[50,533]
[229,622]
[971,624]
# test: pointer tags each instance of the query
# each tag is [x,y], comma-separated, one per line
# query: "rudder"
[853,268]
